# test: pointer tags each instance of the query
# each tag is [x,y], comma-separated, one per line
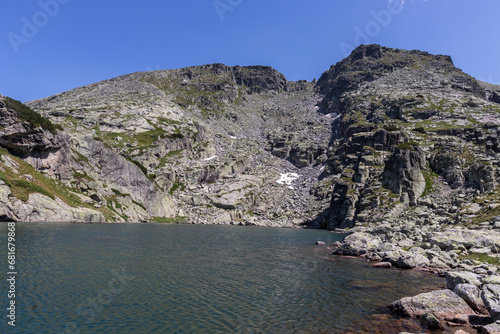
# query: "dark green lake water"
[156,278]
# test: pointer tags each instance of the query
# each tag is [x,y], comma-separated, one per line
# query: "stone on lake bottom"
[382,265]
[460,332]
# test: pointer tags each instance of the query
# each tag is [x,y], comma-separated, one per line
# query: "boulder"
[429,321]
[491,298]
[412,260]
[467,238]
[461,277]
[441,259]
[493,328]
[494,279]
[358,243]
[382,265]
[472,296]
[444,304]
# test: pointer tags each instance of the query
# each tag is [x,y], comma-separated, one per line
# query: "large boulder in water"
[444,304]
[358,243]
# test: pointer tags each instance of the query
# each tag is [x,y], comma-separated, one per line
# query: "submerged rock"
[382,265]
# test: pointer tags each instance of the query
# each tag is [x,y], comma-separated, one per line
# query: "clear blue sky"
[47,49]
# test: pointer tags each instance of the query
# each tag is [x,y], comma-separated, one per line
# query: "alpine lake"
[164,278]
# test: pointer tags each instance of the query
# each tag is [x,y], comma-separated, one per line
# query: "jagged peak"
[377,51]
[403,68]
[380,60]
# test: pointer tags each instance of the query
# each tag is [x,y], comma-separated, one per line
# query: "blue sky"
[50,46]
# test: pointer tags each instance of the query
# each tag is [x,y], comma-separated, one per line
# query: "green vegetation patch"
[430,179]
[82,176]
[177,186]
[489,212]
[21,188]
[392,128]
[410,145]
[141,166]
[80,158]
[31,116]
[139,204]
[481,258]
[4,178]
[147,138]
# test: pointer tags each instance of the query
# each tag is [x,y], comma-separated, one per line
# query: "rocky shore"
[467,258]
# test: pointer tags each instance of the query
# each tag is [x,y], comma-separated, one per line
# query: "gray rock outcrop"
[444,304]
[472,296]
[491,298]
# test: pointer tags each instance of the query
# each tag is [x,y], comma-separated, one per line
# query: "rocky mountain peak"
[383,132]
[401,69]
[219,76]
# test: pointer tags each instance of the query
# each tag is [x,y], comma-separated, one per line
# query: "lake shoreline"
[474,284]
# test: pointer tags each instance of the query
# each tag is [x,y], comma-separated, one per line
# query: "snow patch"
[211,158]
[287,179]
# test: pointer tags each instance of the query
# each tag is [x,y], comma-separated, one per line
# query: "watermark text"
[31,26]
[224,6]
[11,274]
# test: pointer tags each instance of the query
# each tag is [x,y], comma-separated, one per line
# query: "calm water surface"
[156,278]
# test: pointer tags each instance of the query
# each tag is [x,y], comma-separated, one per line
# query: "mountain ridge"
[215,139]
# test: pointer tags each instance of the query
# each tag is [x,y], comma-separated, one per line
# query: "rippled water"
[156,278]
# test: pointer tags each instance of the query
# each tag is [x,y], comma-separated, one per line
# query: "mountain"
[205,144]
[384,137]
[413,132]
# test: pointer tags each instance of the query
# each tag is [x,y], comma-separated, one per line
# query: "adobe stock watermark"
[373,28]
[151,69]
[489,78]
[89,309]
[31,26]
[224,6]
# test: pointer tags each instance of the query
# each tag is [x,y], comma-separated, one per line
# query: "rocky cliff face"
[206,144]
[30,144]
[384,136]
[413,134]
